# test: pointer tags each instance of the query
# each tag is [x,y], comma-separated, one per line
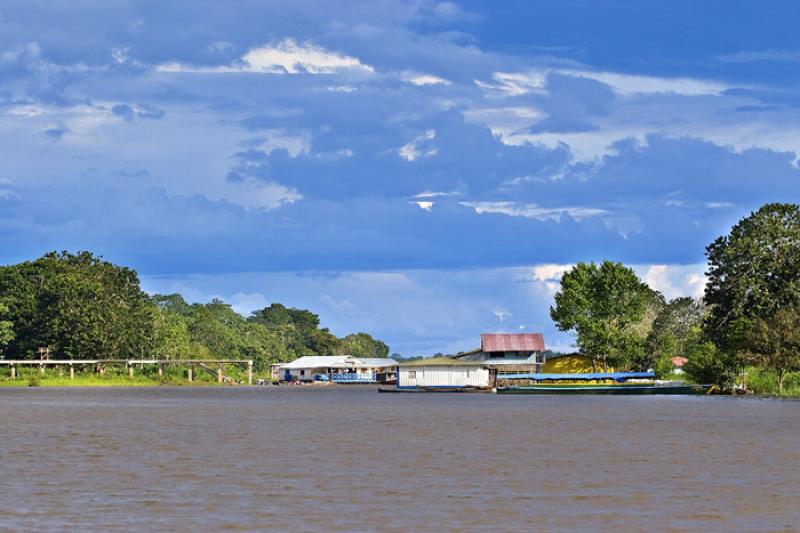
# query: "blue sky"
[423,171]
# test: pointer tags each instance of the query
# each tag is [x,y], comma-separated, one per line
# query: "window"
[302,372]
[412,374]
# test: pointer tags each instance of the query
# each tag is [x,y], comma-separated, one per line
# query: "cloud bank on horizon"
[421,170]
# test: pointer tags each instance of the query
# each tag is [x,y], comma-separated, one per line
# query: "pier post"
[71,371]
[219,375]
[13,372]
[41,370]
[160,370]
[249,372]
[190,372]
[130,370]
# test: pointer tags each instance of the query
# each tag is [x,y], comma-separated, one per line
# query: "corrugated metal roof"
[338,361]
[375,362]
[322,361]
[512,342]
[441,361]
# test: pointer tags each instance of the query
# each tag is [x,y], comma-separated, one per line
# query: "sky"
[424,171]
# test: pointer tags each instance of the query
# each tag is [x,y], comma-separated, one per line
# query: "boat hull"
[606,389]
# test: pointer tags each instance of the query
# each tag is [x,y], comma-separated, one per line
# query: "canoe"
[606,389]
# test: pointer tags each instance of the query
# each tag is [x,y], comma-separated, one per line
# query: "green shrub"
[707,365]
[765,381]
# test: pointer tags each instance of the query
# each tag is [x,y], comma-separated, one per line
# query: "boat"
[440,390]
[593,383]
[633,388]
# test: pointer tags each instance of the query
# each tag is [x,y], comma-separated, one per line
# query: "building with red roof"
[508,349]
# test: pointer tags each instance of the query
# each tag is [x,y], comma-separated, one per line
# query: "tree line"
[749,315]
[79,306]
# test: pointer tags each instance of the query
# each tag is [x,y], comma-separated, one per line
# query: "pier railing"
[354,377]
[100,365]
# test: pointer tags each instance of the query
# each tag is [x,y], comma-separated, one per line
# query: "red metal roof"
[512,342]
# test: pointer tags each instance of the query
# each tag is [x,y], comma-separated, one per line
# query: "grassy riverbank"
[97,381]
[32,378]
[765,382]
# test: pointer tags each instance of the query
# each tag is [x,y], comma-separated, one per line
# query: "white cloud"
[284,57]
[550,276]
[550,272]
[535,81]
[245,303]
[772,54]
[674,281]
[341,89]
[506,123]
[30,50]
[425,206]
[502,315]
[626,84]
[5,189]
[26,111]
[120,55]
[513,209]
[254,194]
[419,147]
[514,83]
[219,47]
[430,194]
[295,143]
[718,205]
[416,78]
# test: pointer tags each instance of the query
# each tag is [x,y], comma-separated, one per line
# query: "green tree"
[753,272]
[171,332]
[706,364]
[601,304]
[6,328]
[214,325]
[78,305]
[363,345]
[676,329]
[774,343]
[298,330]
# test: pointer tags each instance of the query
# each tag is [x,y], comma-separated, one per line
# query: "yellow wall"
[570,364]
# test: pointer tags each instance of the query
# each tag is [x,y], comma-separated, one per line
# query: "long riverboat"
[593,383]
[623,388]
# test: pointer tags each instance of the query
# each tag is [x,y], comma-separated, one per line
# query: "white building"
[337,368]
[443,372]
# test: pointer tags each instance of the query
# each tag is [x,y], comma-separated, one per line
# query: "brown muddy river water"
[350,459]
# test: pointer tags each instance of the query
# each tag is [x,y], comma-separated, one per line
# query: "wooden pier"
[215,367]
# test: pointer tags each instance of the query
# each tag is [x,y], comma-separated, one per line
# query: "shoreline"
[125,382]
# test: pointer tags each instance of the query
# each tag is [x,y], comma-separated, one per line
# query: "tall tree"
[676,329]
[298,329]
[171,335]
[78,305]
[774,343]
[601,303]
[363,345]
[6,328]
[753,272]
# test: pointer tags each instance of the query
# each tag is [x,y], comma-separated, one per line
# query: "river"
[350,459]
